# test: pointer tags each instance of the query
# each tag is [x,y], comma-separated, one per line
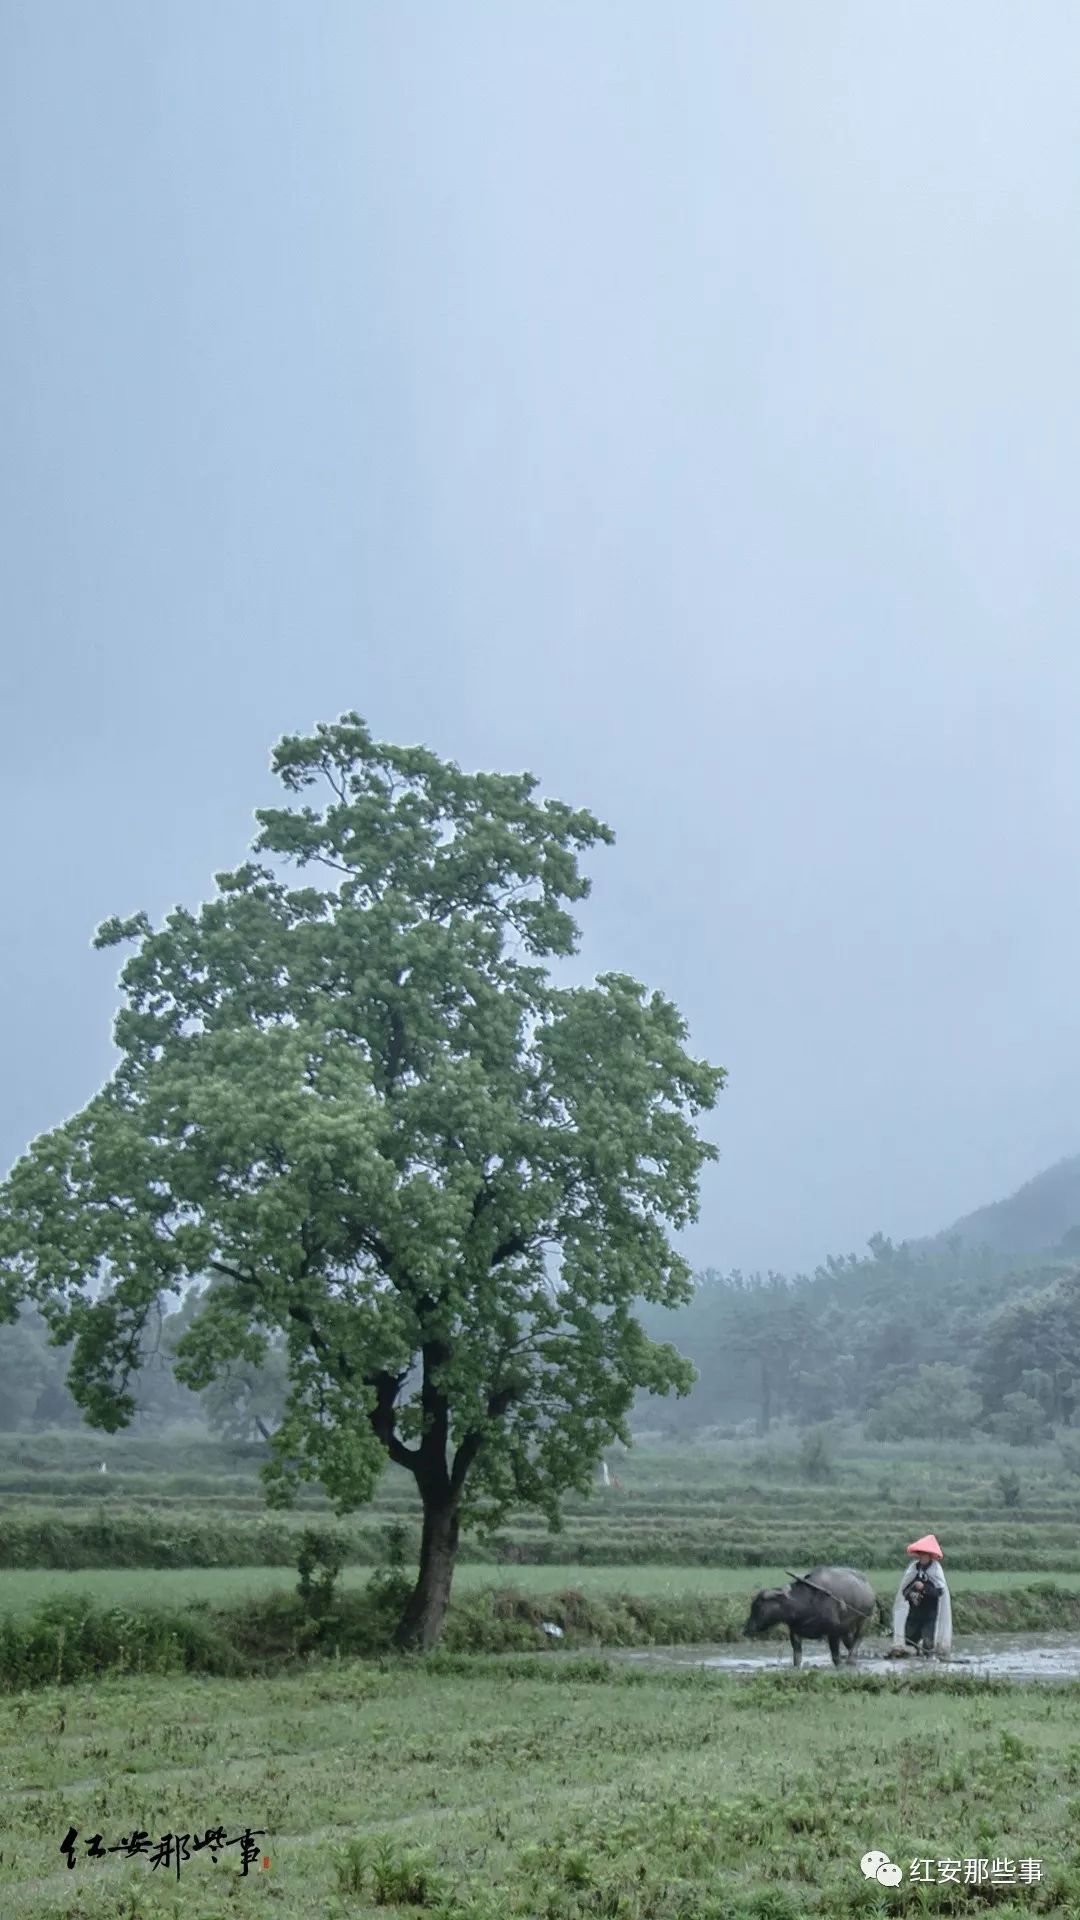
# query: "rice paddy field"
[558,1783]
[120,1586]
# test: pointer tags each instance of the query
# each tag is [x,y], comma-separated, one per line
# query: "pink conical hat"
[928,1544]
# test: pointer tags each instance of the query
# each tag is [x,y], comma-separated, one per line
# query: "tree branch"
[233,1273]
[517,1243]
[395,1051]
[384,1259]
[497,1405]
[386,1385]
[436,1417]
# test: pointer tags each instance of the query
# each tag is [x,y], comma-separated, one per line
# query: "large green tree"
[357,1095]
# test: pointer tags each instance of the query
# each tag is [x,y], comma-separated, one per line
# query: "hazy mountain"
[862,1326]
[1041,1217]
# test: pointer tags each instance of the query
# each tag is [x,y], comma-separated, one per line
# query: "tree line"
[245,1403]
[941,1341]
[937,1340]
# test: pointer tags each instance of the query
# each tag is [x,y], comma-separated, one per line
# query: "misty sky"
[681,402]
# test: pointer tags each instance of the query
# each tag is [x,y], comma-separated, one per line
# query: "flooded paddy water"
[1019,1656]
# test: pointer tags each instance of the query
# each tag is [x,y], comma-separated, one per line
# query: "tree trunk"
[422,1621]
[765,1420]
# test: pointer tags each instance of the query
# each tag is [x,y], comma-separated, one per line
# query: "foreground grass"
[479,1789]
[22,1589]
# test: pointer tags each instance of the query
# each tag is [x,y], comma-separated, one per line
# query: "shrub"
[71,1640]
[397,1877]
[326,1551]
[816,1458]
[390,1586]
[1022,1421]
[938,1402]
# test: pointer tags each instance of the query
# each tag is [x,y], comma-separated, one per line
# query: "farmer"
[922,1615]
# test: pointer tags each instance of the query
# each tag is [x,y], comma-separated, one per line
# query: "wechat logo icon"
[877,1866]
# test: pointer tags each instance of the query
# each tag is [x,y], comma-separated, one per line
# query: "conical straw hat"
[928,1544]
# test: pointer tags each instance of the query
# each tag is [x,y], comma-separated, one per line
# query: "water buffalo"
[828,1603]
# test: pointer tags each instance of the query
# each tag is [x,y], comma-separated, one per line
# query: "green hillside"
[1040,1217]
[975,1330]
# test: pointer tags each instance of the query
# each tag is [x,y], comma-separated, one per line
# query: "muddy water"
[1020,1656]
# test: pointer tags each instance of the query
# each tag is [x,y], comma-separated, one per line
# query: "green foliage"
[395,1876]
[767,1343]
[1021,1421]
[840,1343]
[25,1370]
[816,1459]
[938,1403]
[389,1587]
[362,1105]
[69,1640]
[396,1545]
[351,1865]
[247,1400]
[1031,1348]
[1009,1483]
[34,1396]
[319,1563]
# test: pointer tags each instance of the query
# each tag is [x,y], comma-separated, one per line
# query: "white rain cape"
[943,1624]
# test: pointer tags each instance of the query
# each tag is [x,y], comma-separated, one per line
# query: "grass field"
[473,1787]
[128,1586]
[480,1789]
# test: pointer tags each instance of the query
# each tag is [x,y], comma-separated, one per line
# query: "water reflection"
[1021,1656]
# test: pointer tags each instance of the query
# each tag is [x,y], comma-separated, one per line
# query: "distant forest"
[974,1331]
[247,1405]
